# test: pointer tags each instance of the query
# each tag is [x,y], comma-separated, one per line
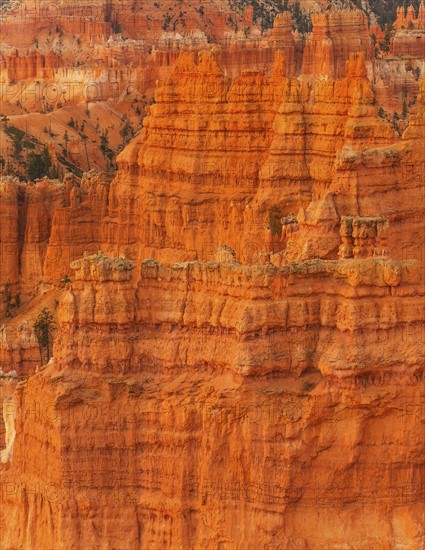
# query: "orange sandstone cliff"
[279,401]
[292,142]
[87,70]
[238,360]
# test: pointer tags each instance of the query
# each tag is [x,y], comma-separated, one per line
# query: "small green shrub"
[44,327]
[275,220]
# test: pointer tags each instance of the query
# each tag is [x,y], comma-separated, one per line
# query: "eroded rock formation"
[274,390]
[239,359]
[299,147]
[335,34]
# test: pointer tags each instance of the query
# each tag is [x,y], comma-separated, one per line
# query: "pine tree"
[44,328]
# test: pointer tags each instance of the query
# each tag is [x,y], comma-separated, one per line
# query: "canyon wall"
[409,39]
[293,142]
[216,158]
[238,359]
[314,413]
[106,60]
[243,147]
[335,34]
[27,215]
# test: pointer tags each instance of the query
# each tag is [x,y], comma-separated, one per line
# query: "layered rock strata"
[303,141]
[271,397]
[336,33]
[276,391]
[27,216]
[244,146]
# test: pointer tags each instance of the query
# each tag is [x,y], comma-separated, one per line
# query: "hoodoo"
[212,285]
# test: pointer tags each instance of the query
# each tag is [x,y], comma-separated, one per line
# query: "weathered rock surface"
[283,396]
[292,141]
[258,381]
[335,34]
[27,214]
[409,39]
[102,62]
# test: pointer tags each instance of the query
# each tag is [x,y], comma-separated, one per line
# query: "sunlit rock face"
[238,357]
[335,34]
[247,145]
[280,396]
